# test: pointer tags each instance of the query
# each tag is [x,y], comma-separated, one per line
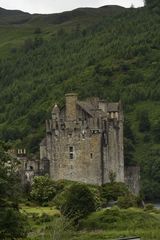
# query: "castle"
[84,141]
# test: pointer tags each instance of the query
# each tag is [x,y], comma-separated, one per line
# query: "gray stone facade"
[84,141]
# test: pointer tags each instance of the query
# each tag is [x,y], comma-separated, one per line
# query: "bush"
[127,201]
[96,191]
[111,191]
[60,199]
[149,207]
[79,202]
[116,219]
[45,218]
[43,189]
[12,224]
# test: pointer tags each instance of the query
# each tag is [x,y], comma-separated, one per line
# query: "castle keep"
[84,141]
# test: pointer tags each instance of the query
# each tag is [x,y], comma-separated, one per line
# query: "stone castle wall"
[84,141]
[77,158]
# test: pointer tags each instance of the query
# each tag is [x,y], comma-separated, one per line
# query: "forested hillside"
[113,57]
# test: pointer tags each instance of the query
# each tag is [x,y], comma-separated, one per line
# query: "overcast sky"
[52,6]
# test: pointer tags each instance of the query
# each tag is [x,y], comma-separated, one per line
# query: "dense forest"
[110,52]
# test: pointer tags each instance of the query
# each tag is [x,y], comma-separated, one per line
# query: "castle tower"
[84,141]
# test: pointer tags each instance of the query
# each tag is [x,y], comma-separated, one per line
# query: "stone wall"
[132,179]
[77,158]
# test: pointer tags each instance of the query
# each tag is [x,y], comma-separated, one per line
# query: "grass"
[112,235]
[51,211]
[106,224]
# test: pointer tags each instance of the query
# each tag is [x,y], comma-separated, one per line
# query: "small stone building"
[84,141]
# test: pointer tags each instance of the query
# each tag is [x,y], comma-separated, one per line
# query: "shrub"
[149,207]
[79,202]
[43,189]
[111,191]
[60,199]
[116,219]
[45,218]
[127,201]
[12,224]
[96,191]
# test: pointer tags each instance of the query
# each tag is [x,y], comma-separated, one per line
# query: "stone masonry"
[84,141]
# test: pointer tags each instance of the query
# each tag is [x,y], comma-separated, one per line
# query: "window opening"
[71,153]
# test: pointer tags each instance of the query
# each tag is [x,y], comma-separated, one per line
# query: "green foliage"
[144,123]
[127,201]
[156,131]
[59,228]
[153,4]
[79,202]
[149,207]
[94,53]
[120,219]
[43,189]
[151,174]
[60,199]
[111,191]
[12,222]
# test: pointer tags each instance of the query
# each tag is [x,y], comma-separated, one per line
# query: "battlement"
[93,115]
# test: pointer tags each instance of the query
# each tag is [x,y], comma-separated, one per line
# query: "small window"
[91,155]
[71,149]
[71,152]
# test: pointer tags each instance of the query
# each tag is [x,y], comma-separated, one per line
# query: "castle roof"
[87,107]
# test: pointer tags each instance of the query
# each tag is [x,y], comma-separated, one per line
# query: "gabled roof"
[87,107]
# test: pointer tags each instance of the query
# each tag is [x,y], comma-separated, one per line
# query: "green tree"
[43,189]
[111,191]
[144,122]
[156,131]
[12,222]
[152,3]
[79,202]
[127,201]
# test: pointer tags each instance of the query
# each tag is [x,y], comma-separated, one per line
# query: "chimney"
[71,106]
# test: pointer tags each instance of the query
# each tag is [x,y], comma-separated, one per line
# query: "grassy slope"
[105,224]
[16,26]
[111,57]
